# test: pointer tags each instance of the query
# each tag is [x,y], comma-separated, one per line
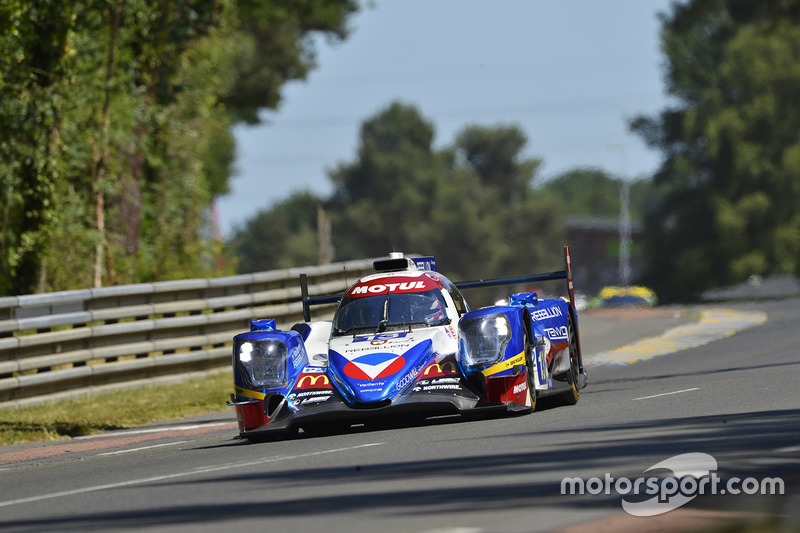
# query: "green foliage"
[399,193]
[728,183]
[273,47]
[281,237]
[116,137]
[595,192]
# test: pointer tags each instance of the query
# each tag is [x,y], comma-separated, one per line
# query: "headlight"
[483,340]
[263,363]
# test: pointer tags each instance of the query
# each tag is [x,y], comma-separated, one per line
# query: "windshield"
[381,312]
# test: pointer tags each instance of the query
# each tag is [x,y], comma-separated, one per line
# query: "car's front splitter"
[337,414]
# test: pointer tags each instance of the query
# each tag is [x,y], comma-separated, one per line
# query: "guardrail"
[71,343]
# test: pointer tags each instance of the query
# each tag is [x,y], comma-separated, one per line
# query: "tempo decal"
[559,332]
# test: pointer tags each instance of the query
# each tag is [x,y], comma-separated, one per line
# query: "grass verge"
[65,419]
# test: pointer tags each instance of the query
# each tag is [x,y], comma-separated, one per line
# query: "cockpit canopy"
[391,311]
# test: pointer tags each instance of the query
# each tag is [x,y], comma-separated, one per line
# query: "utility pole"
[624,234]
[624,270]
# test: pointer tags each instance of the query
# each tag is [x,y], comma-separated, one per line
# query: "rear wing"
[566,274]
[308,301]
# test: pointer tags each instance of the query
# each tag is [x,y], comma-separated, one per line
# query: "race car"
[403,343]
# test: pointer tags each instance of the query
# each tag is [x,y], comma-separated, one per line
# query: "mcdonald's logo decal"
[434,370]
[313,381]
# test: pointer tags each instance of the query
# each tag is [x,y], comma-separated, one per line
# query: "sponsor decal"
[440,369]
[246,393]
[380,337]
[313,381]
[374,366]
[394,284]
[559,332]
[425,263]
[547,312]
[370,348]
[371,389]
[409,377]
[521,387]
[434,388]
[316,399]
[307,394]
[504,365]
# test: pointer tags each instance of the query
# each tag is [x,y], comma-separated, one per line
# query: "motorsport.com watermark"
[693,474]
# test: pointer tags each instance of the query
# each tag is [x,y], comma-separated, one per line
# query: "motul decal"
[398,284]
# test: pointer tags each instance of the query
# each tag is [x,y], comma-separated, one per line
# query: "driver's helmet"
[427,308]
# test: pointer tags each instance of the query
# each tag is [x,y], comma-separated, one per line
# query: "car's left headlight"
[483,339]
[263,362]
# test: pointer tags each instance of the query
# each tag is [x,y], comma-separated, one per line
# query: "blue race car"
[402,344]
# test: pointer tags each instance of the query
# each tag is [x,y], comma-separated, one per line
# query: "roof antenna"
[346,283]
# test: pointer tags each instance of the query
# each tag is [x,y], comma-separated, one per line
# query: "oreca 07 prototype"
[403,343]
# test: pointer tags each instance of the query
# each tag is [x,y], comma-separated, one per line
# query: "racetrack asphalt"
[734,398]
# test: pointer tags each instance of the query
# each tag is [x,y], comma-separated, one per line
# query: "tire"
[534,394]
[573,394]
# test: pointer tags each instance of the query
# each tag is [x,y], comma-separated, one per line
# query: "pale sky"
[569,73]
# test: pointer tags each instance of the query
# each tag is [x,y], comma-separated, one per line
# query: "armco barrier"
[70,343]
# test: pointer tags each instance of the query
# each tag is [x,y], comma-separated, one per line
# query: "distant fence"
[64,344]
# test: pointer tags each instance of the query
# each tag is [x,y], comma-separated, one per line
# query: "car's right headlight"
[263,363]
[483,339]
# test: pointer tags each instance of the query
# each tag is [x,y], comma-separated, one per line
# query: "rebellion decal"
[547,312]
[371,348]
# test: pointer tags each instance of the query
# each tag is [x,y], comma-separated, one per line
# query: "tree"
[513,229]
[274,45]
[728,183]
[399,193]
[471,204]
[595,192]
[116,128]
[382,200]
[283,236]
[494,154]
[33,43]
